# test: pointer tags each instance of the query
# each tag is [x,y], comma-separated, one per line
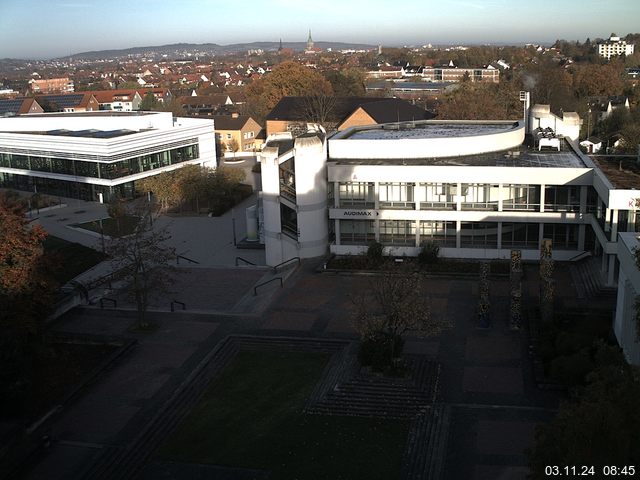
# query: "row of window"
[472,234]
[475,196]
[110,171]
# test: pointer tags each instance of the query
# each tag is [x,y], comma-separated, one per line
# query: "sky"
[40,29]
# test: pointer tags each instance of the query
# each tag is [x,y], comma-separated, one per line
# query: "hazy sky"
[52,28]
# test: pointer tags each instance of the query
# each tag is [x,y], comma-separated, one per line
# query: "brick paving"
[488,404]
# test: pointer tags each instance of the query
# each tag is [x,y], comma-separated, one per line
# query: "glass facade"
[442,233]
[520,235]
[398,232]
[563,236]
[396,195]
[357,194]
[357,232]
[479,235]
[480,196]
[437,195]
[562,198]
[521,197]
[110,171]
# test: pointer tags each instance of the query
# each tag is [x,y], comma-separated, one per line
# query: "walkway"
[487,403]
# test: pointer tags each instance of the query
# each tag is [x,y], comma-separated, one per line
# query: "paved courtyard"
[485,379]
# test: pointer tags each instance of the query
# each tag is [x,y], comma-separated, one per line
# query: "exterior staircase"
[589,280]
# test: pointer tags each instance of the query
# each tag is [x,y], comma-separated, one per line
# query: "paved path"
[486,383]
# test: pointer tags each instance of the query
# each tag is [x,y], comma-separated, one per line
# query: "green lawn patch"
[112,228]
[68,259]
[252,418]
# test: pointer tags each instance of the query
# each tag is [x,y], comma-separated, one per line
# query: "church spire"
[280,47]
[309,42]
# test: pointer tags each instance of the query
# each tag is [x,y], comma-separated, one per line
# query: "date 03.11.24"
[590,471]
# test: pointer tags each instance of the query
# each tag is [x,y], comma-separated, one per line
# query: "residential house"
[19,106]
[118,100]
[51,85]
[291,113]
[241,129]
[592,144]
[70,102]
[204,104]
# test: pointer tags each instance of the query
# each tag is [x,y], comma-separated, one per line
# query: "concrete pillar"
[376,228]
[583,199]
[631,226]
[614,225]
[336,230]
[459,202]
[582,232]
[540,236]
[336,194]
[458,228]
[611,280]
[271,205]
[542,198]
[499,235]
[418,232]
[500,201]
[376,196]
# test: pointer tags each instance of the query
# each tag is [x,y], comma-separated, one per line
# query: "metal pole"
[233,224]
[149,205]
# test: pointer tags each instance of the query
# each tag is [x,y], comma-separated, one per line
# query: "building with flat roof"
[478,189]
[83,155]
[625,325]
[614,47]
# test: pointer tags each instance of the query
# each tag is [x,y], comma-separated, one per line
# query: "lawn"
[69,259]
[252,418]
[111,227]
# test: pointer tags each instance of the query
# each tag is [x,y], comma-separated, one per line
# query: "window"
[442,233]
[289,221]
[396,195]
[520,235]
[563,236]
[479,235]
[228,136]
[479,196]
[357,194]
[437,195]
[562,198]
[521,197]
[357,232]
[398,232]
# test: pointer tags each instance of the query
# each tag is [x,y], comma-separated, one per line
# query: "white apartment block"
[614,47]
[83,155]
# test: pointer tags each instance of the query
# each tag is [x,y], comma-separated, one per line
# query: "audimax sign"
[360,214]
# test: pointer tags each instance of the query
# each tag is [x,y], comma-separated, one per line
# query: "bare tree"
[319,109]
[397,303]
[142,259]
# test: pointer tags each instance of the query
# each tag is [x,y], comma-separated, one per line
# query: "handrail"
[113,300]
[275,269]
[182,304]
[244,260]
[580,256]
[178,257]
[255,289]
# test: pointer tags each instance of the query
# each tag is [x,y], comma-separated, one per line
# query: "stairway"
[589,280]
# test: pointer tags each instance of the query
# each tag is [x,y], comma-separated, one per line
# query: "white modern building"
[625,325]
[614,47]
[82,155]
[477,189]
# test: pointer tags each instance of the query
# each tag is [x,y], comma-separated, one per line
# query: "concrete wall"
[628,288]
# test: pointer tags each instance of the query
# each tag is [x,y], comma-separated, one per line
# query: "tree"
[142,259]
[286,79]
[319,109]
[149,102]
[116,210]
[397,303]
[234,146]
[600,427]
[347,83]
[473,101]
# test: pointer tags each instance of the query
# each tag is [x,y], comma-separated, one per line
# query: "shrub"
[428,253]
[379,350]
[572,369]
[374,254]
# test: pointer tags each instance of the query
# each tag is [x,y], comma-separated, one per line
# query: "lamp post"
[589,123]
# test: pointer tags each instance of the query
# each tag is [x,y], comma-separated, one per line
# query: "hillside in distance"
[183,49]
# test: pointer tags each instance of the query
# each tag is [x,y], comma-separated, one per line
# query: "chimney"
[235,115]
